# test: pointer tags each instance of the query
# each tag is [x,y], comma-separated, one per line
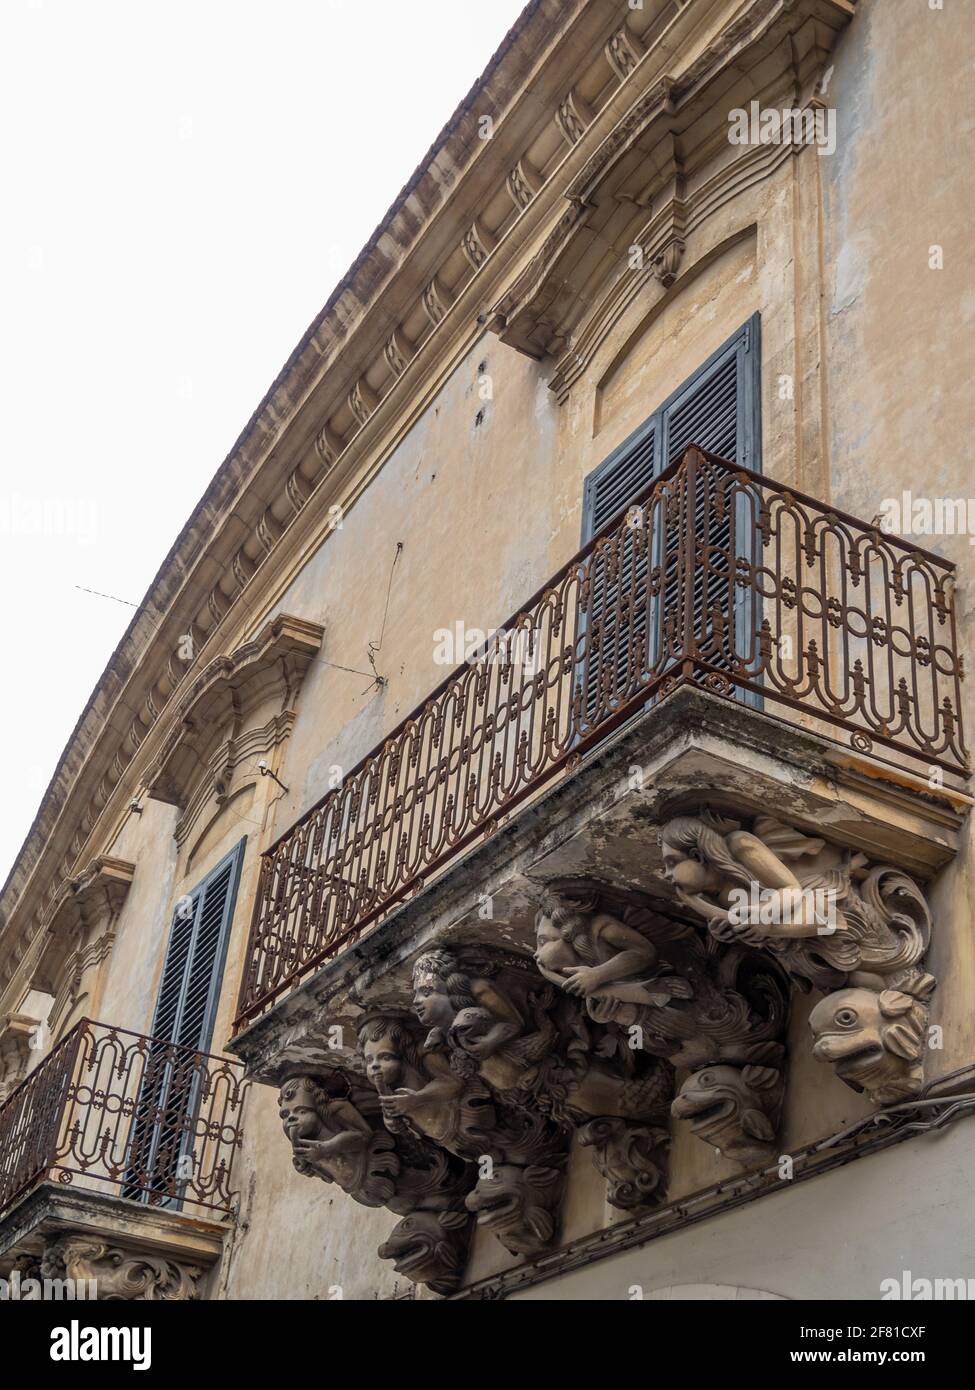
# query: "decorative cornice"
[559,297]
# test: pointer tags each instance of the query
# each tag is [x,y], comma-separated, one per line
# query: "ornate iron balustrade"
[156,1122]
[716,576]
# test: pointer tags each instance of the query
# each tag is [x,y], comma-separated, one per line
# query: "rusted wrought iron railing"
[716,576]
[111,1109]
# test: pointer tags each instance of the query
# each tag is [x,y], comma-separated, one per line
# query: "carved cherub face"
[431,1002]
[384,1066]
[546,932]
[550,946]
[299,1115]
[687,872]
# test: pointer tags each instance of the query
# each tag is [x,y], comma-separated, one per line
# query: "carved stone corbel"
[537,1052]
[16,1033]
[735,1109]
[857,931]
[337,1134]
[652,982]
[632,1159]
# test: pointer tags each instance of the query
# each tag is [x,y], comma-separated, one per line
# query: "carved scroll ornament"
[857,931]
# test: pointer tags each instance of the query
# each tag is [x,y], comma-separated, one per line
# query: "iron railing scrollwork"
[716,576]
[92,1113]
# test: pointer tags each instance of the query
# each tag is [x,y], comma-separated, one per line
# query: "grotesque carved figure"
[837,923]
[631,1157]
[519,1204]
[429,1247]
[342,1139]
[734,1108]
[874,1041]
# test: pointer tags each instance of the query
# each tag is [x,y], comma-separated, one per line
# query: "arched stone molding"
[241,708]
[78,939]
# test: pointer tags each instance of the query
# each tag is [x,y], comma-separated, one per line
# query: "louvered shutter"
[615,639]
[718,409]
[715,410]
[184,1015]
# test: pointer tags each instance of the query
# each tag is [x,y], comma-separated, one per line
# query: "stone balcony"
[575,901]
[115,1165]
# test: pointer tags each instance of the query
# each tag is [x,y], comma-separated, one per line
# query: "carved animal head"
[518,1205]
[874,1041]
[470,1025]
[429,1247]
[732,1108]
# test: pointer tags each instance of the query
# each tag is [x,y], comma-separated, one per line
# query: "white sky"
[183,185]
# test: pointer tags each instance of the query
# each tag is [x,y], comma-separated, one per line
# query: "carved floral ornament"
[462,1108]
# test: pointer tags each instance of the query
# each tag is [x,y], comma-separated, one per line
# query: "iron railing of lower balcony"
[109,1109]
[716,576]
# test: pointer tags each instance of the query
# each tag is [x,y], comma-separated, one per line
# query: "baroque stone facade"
[514,1030]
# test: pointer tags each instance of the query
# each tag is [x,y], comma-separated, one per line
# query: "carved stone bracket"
[16,1031]
[337,1133]
[657,985]
[856,930]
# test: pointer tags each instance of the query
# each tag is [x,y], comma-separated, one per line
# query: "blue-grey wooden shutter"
[185,1011]
[719,409]
[612,637]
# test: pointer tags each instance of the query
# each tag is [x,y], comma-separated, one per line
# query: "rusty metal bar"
[717,577]
[155,1122]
